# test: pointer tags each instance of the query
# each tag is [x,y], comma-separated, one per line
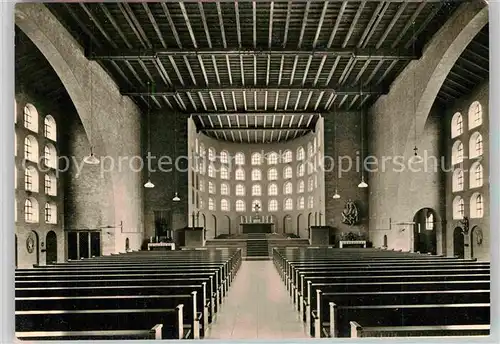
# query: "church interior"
[252,169]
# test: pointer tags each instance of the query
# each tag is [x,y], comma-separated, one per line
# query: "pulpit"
[194,237]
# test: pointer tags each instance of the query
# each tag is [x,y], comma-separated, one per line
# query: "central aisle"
[257,306]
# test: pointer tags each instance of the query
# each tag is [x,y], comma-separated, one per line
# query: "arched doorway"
[458,243]
[214,218]
[424,231]
[51,244]
[385,240]
[127,244]
[287,224]
[15,243]
[227,224]
[476,240]
[300,225]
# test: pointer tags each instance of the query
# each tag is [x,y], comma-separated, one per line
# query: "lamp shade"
[91,159]
[362,184]
[176,198]
[336,195]
[149,184]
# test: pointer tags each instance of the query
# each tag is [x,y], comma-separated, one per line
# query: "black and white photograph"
[252,170]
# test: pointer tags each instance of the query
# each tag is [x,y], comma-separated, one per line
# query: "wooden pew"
[104,323]
[358,331]
[339,317]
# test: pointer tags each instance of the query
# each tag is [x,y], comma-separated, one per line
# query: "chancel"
[278,169]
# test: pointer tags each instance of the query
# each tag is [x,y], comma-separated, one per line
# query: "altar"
[256,227]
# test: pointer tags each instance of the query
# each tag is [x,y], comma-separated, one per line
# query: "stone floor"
[257,307]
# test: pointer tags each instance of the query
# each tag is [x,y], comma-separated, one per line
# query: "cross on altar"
[256,207]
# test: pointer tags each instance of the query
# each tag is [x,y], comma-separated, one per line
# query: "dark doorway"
[215,225]
[73,245]
[385,241]
[287,224]
[95,244]
[458,243]
[228,224]
[51,243]
[127,244]
[424,231]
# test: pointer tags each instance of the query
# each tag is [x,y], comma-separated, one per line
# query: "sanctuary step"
[257,245]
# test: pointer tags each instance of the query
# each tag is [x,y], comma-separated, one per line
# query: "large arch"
[391,193]
[424,231]
[51,247]
[109,110]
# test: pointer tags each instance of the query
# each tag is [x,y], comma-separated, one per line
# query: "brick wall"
[472,248]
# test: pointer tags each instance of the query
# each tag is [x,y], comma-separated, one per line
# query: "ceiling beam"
[258,113]
[377,54]
[211,130]
[161,91]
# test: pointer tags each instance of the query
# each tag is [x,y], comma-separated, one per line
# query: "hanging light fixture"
[415,149]
[176,197]
[91,159]
[336,194]
[362,184]
[149,184]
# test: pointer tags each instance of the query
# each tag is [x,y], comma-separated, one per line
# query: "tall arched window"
[50,156]
[457,153]
[201,185]
[202,167]
[256,174]
[31,210]
[31,179]
[224,157]
[287,188]
[240,190]
[31,118]
[256,190]
[224,204]
[31,148]
[310,184]
[272,174]
[272,158]
[300,187]
[476,175]
[476,206]
[475,145]
[458,208]
[288,204]
[287,156]
[211,171]
[50,213]
[310,202]
[300,170]
[457,125]
[458,180]
[256,159]
[211,204]
[50,184]
[240,205]
[273,205]
[224,173]
[287,172]
[211,154]
[240,174]
[239,158]
[310,150]
[300,153]
[475,115]
[272,189]
[203,152]
[429,221]
[201,204]
[224,189]
[300,203]
[50,128]
[310,167]
[211,187]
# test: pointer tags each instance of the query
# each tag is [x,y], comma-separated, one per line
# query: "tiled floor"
[257,307]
